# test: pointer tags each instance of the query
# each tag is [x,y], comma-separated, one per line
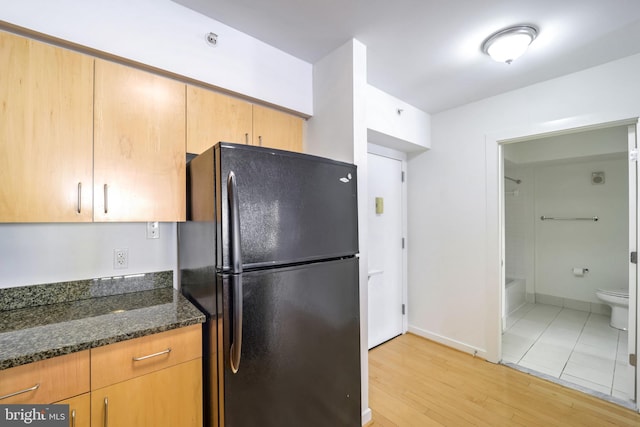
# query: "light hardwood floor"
[416,382]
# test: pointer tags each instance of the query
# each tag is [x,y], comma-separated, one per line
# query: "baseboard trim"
[466,348]
[366,416]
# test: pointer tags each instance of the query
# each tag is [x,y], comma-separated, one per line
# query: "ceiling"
[427,52]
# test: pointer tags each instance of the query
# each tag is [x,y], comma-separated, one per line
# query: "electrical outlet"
[120,259]
[153,230]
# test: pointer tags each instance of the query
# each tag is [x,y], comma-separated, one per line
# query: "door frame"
[495,209]
[634,235]
[402,157]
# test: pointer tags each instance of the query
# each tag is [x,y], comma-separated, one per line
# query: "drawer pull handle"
[160,353]
[79,197]
[106,412]
[73,418]
[106,199]
[26,390]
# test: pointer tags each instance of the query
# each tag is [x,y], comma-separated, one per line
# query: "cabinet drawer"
[128,359]
[46,381]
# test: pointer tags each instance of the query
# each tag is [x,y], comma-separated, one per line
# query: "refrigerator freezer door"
[293,207]
[301,348]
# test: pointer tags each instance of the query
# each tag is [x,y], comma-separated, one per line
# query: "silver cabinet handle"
[260,140]
[26,390]
[73,418]
[106,198]
[79,197]
[160,353]
[106,412]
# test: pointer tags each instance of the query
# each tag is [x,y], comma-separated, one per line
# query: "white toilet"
[618,299]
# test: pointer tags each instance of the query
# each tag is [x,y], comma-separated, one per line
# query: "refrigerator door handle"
[234,225]
[236,345]
[236,272]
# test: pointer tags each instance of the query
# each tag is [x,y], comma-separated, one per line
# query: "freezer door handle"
[234,225]
[236,323]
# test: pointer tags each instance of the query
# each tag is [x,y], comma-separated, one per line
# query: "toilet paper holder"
[579,272]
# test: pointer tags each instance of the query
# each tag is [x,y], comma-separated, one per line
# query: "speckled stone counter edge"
[94,331]
[52,293]
[167,310]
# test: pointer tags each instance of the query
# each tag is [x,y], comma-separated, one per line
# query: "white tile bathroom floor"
[574,346]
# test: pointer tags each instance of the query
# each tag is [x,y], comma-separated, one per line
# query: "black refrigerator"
[268,253]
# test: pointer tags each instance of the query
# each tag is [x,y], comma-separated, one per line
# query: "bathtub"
[515,294]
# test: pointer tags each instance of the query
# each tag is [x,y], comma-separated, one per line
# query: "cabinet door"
[79,410]
[166,398]
[45,132]
[213,117]
[275,129]
[139,145]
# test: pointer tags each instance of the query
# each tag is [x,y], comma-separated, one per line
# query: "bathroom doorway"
[568,209]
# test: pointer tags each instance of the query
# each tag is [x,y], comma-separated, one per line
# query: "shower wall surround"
[565,190]
[545,252]
[519,231]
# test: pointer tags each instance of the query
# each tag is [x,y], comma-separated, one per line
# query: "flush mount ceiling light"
[510,43]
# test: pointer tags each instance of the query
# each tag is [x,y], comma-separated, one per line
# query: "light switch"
[379,205]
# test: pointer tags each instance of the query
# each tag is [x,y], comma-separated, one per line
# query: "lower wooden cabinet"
[79,410]
[166,398]
[152,381]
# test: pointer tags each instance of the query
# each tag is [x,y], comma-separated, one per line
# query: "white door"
[633,245]
[385,246]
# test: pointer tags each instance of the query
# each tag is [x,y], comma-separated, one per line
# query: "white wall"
[33,254]
[454,262]
[171,37]
[331,131]
[595,142]
[393,123]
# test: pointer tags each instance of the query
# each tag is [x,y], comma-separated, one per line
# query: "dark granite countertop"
[40,332]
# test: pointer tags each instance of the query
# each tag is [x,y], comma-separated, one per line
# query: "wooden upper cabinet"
[214,117]
[139,145]
[46,108]
[275,129]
